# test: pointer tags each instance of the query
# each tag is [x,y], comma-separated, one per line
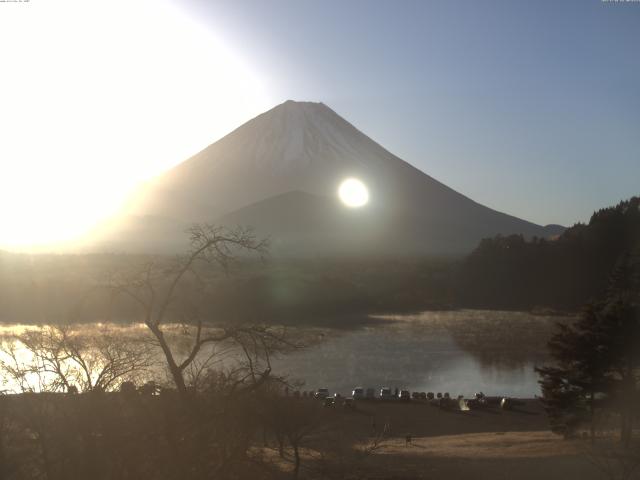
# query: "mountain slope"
[294,157]
[302,224]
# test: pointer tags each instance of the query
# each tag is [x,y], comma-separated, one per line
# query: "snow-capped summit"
[280,173]
[295,146]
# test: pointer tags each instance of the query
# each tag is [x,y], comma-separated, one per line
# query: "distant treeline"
[70,288]
[565,273]
[505,272]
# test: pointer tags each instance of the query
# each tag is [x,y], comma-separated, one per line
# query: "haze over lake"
[457,351]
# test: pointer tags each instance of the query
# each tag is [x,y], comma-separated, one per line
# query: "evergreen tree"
[570,388]
[621,328]
[597,358]
[515,273]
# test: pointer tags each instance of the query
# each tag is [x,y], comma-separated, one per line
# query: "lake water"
[460,352]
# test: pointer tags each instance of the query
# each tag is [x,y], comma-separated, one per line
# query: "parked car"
[371,394]
[508,403]
[321,393]
[415,395]
[447,403]
[423,395]
[386,394]
[358,393]
[405,395]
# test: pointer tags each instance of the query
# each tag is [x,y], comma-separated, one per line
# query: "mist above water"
[460,352]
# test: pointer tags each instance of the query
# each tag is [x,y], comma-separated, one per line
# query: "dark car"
[386,394]
[321,393]
[358,393]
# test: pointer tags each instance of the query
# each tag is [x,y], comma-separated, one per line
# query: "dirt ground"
[479,444]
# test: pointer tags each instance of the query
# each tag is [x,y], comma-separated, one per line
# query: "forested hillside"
[511,272]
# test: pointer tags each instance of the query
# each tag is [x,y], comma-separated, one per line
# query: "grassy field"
[479,444]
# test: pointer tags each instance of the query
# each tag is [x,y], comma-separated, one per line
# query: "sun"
[101,96]
[353,193]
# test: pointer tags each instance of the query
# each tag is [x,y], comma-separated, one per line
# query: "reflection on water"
[460,352]
[85,356]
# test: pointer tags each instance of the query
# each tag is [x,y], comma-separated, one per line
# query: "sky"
[529,107]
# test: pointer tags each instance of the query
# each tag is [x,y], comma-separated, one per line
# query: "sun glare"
[99,96]
[353,193]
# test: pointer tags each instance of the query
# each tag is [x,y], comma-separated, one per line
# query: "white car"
[358,393]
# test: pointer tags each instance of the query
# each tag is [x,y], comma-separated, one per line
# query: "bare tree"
[61,358]
[167,295]
[294,420]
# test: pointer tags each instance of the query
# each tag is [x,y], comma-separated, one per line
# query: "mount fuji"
[280,172]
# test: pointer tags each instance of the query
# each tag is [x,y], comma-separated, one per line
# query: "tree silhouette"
[564,273]
[598,357]
[178,293]
[570,386]
[60,358]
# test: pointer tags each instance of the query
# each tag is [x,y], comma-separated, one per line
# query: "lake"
[460,352]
